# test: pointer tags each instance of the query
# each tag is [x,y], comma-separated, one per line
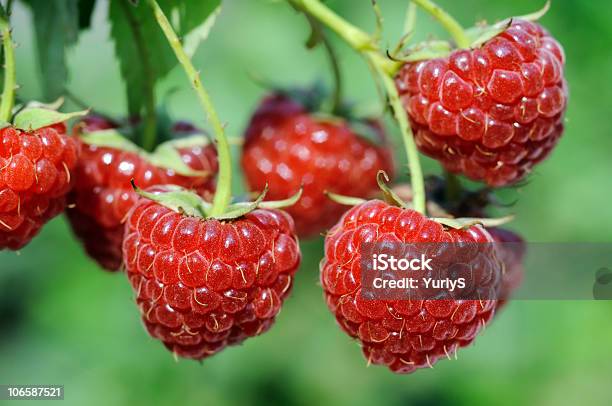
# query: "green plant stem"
[223,194]
[448,22]
[149,134]
[385,69]
[414,165]
[10,76]
[453,187]
[336,100]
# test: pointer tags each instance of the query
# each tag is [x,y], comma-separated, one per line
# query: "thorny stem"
[149,135]
[385,69]
[8,93]
[223,194]
[448,22]
[416,172]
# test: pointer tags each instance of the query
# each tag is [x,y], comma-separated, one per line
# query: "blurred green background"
[64,321]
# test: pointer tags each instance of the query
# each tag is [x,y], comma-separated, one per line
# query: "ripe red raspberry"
[490,113]
[103,194]
[404,335]
[285,147]
[204,284]
[35,175]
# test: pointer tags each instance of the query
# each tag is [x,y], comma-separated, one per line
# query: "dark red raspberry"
[35,176]
[286,147]
[404,335]
[512,249]
[493,112]
[204,284]
[103,194]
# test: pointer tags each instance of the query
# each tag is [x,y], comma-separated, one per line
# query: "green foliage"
[140,46]
[56,24]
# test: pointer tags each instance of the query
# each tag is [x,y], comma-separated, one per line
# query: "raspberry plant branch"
[447,21]
[320,35]
[8,93]
[223,193]
[384,69]
[149,134]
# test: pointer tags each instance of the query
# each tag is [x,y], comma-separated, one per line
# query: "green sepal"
[4,124]
[54,105]
[34,118]
[237,210]
[281,204]
[110,138]
[179,200]
[467,222]
[165,155]
[426,50]
[191,204]
[479,35]
[344,200]
[388,194]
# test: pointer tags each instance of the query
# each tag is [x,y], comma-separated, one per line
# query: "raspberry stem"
[334,63]
[8,93]
[149,134]
[223,193]
[447,21]
[384,69]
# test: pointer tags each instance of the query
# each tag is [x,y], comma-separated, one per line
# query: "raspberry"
[204,284]
[404,335]
[103,194]
[490,113]
[35,176]
[512,253]
[285,147]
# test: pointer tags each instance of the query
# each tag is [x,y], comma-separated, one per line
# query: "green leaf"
[35,118]
[200,33]
[143,52]
[56,23]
